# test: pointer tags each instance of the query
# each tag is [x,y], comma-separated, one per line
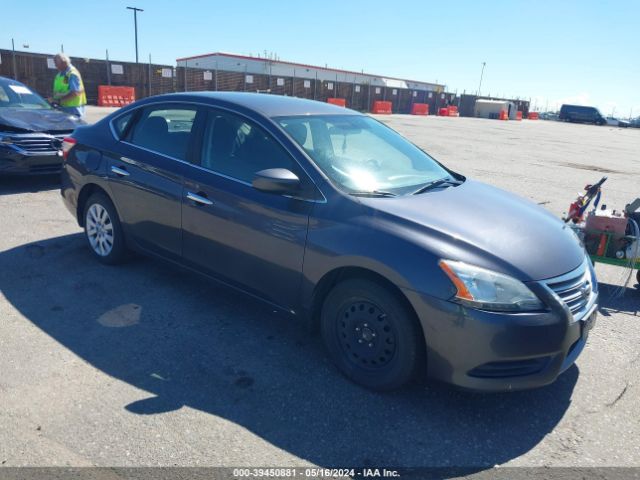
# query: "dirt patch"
[594,168]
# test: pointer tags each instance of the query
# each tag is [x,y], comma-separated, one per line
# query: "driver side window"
[238,148]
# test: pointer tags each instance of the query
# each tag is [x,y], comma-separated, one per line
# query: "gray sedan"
[405,267]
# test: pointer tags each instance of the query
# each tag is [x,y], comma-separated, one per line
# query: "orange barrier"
[453,111]
[443,112]
[518,115]
[341,102]
[503,115]
[420,109]
[109,96]
[381,107]
[533,116]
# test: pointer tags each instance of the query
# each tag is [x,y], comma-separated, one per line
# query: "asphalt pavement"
[147,365]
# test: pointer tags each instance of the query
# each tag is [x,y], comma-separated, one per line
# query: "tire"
[638,277]
[371,336]
[103,231]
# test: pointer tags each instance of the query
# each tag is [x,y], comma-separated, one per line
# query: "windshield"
[360,154]
[19,96]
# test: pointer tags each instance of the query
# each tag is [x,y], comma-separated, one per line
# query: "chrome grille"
[574,289]
[37,143]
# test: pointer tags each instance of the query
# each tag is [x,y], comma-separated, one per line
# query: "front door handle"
[194,197]
[120,172]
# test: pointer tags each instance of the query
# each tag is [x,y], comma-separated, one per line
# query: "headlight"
[487,290]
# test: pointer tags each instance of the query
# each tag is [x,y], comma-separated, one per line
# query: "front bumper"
[490,351]
[16,162]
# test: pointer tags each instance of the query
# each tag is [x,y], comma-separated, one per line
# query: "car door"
[248,238]
[146,175]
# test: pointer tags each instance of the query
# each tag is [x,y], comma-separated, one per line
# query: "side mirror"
[276,180]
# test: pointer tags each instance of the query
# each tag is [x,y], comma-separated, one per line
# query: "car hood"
[490,227]
[37,120]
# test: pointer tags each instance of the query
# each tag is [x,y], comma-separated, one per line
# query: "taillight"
[67,145]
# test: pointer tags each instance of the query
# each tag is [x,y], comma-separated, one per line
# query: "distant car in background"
[581,114]
[548,116]
[616,122]
[31,131]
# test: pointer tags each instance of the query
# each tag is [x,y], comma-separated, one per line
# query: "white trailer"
[492,109]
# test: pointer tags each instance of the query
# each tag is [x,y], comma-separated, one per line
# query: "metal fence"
[37,71]
[358,96]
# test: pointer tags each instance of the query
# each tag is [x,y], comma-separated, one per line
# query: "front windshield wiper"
[436,183]
[373,193]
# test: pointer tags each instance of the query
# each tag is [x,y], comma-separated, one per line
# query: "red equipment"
[577,208]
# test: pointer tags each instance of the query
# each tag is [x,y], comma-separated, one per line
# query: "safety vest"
[61,88]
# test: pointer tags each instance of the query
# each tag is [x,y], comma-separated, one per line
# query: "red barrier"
[518,115]
[453,111]
[533,116]
[503,115]
[381,107]
[341,102]
[443,112]
[420,109]
[109,96]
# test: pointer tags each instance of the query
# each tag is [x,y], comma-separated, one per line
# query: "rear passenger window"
[165,130]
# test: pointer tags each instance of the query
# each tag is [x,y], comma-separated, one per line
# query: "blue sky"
[551,51]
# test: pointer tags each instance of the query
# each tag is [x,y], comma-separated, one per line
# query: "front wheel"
[371,335]
[103,231]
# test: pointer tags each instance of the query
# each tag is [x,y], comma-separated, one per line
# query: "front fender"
[357,238]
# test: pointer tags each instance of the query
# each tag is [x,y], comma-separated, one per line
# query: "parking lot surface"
[143,364]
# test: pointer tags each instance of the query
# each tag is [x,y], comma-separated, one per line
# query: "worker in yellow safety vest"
[68,89]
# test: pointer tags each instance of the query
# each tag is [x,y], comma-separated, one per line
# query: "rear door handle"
[120,172]
[198,199]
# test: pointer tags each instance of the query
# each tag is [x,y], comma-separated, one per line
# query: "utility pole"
[108,67]
[135,25]
[13,49]
[481,74]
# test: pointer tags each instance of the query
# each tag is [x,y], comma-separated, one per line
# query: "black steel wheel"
[371,335]
[366,335]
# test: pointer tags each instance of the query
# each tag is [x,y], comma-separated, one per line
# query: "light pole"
[481,74]
[13,50]
[135,24]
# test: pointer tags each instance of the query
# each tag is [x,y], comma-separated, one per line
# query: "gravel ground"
[145,365]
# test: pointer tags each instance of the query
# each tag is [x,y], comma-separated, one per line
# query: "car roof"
[9,81]
[266,104]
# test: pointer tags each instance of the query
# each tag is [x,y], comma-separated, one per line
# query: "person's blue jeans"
[77,111]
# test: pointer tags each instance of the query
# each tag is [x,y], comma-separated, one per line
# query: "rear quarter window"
[120,124]
[4,98]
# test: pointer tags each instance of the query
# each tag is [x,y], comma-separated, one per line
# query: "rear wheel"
[103,230]
[372,337]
